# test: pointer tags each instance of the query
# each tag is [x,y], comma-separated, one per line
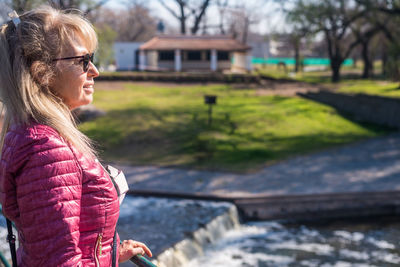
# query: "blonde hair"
[27,70]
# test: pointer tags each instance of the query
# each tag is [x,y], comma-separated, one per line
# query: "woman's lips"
[88,89]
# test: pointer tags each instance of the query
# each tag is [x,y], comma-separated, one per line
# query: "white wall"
[241,61]
[125,55]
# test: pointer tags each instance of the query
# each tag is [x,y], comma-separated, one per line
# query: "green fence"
[292,61]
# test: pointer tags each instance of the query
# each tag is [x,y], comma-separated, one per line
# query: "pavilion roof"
[182,42]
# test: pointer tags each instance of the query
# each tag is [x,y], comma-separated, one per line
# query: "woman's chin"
[85,102]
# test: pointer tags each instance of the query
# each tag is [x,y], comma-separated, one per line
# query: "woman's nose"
[93,71]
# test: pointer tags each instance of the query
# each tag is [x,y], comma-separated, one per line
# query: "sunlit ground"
[167,125]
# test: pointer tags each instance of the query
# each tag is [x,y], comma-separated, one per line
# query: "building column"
[142,60]
[178,60]
[214,60]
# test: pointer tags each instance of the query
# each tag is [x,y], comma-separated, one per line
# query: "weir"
[176,230]
[192,247]
[312,207]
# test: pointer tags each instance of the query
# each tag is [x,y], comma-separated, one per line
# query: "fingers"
[137,247]
[144,248]
[137,251]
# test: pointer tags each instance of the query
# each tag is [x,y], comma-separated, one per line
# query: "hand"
[130,248]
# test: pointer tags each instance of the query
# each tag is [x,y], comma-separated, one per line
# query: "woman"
[51,184]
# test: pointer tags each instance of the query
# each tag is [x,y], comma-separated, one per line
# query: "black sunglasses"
[85,60]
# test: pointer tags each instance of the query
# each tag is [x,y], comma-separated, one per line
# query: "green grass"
[351,81]
[274,71]
[371,87]
[167,126]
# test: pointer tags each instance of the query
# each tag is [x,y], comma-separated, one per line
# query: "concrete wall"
[152,60]
[241,61]
[125,55]
[374,109]
[166,65]
[194,65]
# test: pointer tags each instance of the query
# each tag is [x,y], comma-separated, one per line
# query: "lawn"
[167,125]
[350,83]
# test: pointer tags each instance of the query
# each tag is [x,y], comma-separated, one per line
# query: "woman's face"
[72,83]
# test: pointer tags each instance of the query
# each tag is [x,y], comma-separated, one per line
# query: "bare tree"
[134,24]
[4,10]
[390,7]
[364,31]
[194,10]
[18,5]
[86,6]
[222,6]
[239,16]
[333,18]
[24,5]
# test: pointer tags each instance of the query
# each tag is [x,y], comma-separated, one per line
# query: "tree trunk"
[336,63]
[182,19]
[367,61]
[183,26]
[384,59]
[245,30]
[297,54]
[199,17]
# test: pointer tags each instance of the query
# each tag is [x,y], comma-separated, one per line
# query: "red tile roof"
[172,42]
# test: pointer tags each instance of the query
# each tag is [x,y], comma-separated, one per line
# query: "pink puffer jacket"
[63,203]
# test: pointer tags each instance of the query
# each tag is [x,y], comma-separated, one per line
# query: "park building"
[184,53]
[127,55]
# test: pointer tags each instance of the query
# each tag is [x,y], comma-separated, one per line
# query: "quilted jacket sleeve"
[48,187]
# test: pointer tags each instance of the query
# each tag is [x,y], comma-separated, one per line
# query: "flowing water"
[162,222]
[340,244]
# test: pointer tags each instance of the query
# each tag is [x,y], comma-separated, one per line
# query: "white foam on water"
[386,257]
[235,257]
[267,225]
[346,264]
[354,254]
[319,249]
[355,237]
[4,246]
[382,244]
[310,263]
[309,233]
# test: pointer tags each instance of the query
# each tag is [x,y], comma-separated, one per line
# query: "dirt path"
[367,166]
[265,88]
[286,88]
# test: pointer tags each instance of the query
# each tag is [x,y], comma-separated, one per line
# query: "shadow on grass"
[144,136]
[326,78]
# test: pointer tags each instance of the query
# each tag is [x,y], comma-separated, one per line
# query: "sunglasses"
[85,60]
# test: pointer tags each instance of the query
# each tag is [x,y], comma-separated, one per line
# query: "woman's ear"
[41,73]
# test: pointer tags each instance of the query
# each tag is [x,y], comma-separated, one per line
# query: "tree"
[390,7]
[105,53]
[222,8]
[18,5]
[239,16]
[364,31]
[386,14]
[299,31]
[135,24]
[333,18]
[87,6]
[194,10]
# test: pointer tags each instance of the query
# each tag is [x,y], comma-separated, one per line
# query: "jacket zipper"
[98,248]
